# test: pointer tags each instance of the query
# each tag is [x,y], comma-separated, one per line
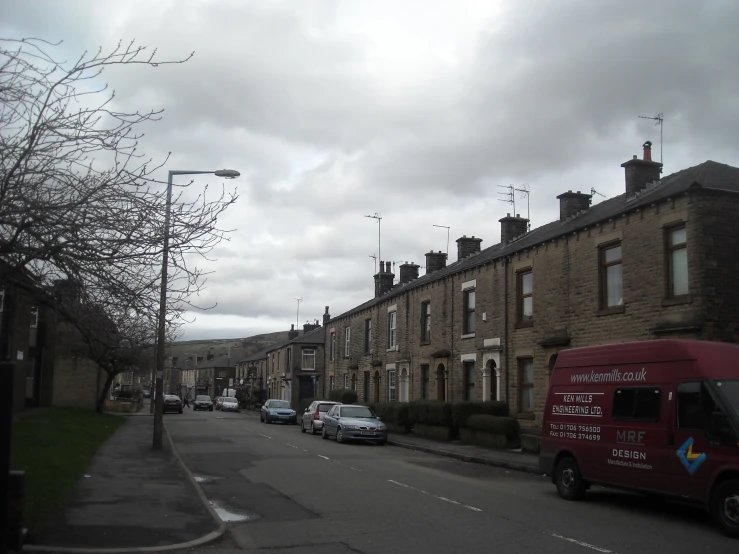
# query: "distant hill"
[240,348]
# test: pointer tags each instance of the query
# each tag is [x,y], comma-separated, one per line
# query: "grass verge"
[55,448]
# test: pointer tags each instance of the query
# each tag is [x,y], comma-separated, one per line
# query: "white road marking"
[266,436]
[436,496]
[586,545]
[291,445]
[304,450]
[324,457]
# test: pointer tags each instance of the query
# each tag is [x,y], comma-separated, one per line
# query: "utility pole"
[297,314]
[379,234]
[447,237]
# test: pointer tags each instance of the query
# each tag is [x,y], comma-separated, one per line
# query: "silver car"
[312,419]
[347,422]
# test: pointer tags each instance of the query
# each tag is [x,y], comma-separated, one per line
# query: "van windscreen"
[730,390]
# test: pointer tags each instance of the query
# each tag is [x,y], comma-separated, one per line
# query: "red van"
[660,417]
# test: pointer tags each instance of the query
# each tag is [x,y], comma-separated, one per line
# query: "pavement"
[134,497]
[278,490]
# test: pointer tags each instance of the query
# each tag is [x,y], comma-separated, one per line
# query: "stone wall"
[77,382]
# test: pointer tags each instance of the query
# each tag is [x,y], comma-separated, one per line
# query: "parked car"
[202,402]
[219,401]
[659,417]
[229,404]
[172,403]
[348,422]
[147,394]
[313,417]
[278,410]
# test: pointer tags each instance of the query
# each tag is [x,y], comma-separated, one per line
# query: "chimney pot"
[467,246]
[435,261]
[408,272]
[512,227]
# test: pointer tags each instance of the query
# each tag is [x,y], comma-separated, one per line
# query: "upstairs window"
[34,317]
[611,277]
[677,262]
[309,360]
[367,335]
[347,341]
[426,322]
[392,336]
[332,346]
[469,312]
[525,297]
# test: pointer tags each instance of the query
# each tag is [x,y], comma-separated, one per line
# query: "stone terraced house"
[660,260]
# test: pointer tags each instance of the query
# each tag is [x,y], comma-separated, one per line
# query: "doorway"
[441,383]
[377,386]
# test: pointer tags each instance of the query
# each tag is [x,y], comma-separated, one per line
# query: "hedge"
[504,426]
[393,412]
[345,396]
[429,412]
[462,410]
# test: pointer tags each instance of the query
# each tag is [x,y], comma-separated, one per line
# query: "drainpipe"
[449,388]
[505,338]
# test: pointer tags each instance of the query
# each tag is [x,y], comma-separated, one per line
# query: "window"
[367,335]
[392,331]
[426,322]
[331,383]
[526,387]
[332,346]
[425,389]
[391,388]
[611,277]
[677,262]
[639,403]
[525,297]
[469,381]
[697,409]
[366,386]
[346,380]
[347,340]
[34,317]
[288,355]
[309,360]
[469,312]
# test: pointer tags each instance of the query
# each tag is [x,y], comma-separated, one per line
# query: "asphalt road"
[298,493]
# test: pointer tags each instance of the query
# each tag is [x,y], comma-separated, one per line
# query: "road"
[298,493]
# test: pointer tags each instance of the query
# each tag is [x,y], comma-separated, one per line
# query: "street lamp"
[159,399]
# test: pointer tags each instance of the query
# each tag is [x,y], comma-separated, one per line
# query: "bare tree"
[78,202]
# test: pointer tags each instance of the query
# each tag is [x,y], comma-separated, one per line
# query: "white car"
[229,404]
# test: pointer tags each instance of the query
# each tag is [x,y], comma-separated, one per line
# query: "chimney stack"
[384,279]
[292,333]
[467,246]
[435,261]
[326,317]
[512,227]
[308,327]
[571,203]
[641,172]
[408,272]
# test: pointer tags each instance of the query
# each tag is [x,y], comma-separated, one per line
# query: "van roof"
[648,351]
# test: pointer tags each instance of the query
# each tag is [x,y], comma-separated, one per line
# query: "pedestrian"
[187,402]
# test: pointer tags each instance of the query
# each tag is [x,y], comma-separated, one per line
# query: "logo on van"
[691,460]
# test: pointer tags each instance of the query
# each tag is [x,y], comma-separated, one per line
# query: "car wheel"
[324,435]
[312,429]
[210,409]
[725,507]
[302,427]
[339,435]
[570,484]
[261,419]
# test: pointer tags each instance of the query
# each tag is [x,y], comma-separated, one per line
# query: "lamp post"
[159,398]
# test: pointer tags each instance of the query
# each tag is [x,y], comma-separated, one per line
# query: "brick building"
[657,261]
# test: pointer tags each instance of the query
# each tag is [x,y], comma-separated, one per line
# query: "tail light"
[316,416]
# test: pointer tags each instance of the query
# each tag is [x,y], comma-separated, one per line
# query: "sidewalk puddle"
[232,516]
[206,478]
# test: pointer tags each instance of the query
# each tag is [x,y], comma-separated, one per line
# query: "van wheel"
[570,484]
[725,507]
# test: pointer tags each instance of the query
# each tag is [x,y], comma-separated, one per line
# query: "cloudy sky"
[416,110]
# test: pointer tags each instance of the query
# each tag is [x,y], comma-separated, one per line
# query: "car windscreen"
[325,407]
[229,399]
[730,391]
[279,404]
[356,411]
[202,398]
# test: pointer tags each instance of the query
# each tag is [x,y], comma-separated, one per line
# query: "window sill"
[468,336]
[677,301]
[525,324]
[425,343]
[392,349]
[525,415]
[611,311]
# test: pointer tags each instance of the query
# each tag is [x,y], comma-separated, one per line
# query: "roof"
[708,175]
[218,361]
[261,355]
[316,336]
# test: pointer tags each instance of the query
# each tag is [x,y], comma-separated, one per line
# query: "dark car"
[147,394]
[278,410]
[354,423]
[172,403]
[202,402]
